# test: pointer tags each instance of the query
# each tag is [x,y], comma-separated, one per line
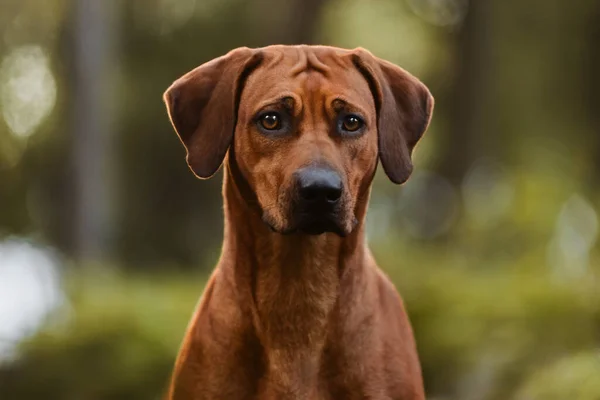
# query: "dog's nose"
[319,185]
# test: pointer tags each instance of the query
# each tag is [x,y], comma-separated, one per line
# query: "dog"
[296,307]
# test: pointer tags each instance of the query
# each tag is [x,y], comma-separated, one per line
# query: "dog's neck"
[290,284]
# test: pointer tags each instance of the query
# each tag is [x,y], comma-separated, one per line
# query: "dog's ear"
[202,106]
[404,107]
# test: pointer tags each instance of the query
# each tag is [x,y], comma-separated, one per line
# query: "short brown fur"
[288,315]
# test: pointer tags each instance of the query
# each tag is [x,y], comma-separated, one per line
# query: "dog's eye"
[352,123]
[270,121]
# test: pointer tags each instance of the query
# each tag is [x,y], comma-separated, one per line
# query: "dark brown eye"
[270,121]
[352,123]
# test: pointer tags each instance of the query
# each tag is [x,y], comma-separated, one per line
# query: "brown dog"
[296,307]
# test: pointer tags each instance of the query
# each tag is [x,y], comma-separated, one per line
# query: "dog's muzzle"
[318,199]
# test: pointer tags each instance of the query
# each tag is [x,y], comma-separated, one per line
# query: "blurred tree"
[303,16]
[91,145]
[591,85]
[466,107]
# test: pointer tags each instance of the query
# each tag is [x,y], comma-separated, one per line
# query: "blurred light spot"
[398,36]
[572,376]
[429,205]
[174,13]
[379,216]
[440,12]
[11,150]
[575,234]
[481,380]
[28,89]
[208,8]
[487,192]
[168,15]
[29,291]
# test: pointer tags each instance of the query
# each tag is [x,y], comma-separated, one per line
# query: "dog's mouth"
[310,224]
[301,217]
[313,224]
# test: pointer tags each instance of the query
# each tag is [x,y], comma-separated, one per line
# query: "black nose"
[319,186]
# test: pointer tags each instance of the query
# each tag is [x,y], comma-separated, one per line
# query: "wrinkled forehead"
[315,74]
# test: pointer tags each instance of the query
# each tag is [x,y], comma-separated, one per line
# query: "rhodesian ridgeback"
[296,307]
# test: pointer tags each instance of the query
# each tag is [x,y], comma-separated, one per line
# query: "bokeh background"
[106,238]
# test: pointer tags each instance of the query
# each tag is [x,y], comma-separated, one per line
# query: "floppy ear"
[202,106]
[404,106]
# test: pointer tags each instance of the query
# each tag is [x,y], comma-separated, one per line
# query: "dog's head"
[304,126]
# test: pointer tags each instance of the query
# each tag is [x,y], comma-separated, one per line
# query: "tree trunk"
[466,99]
[303,21]
[91,129]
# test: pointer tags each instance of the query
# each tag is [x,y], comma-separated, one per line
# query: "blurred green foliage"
[116,339]
[482,334]
[574,377]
